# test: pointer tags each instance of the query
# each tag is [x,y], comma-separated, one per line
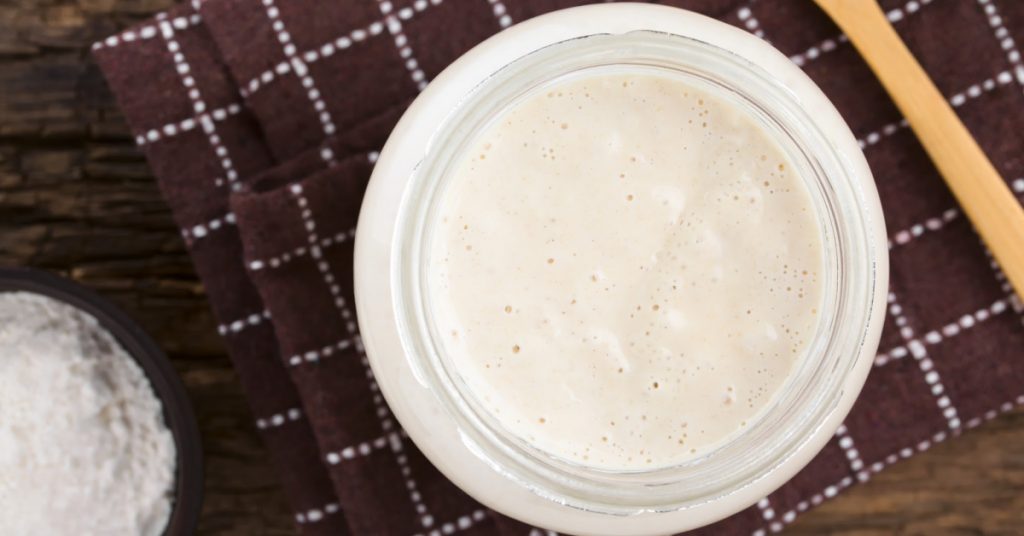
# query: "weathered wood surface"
[76,197]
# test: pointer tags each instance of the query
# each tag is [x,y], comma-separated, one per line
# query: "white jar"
[425,390]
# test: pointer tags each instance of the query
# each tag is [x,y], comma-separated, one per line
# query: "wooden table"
[76,197]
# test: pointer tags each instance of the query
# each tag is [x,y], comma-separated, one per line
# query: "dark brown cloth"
[262,118]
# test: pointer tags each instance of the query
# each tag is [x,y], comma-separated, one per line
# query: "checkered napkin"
[262,118]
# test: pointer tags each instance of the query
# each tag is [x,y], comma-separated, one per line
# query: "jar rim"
[820,369]
[850,207]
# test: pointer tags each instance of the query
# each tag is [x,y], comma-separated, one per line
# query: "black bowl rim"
[177,409]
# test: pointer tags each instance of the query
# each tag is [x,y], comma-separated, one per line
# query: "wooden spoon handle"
[981,191]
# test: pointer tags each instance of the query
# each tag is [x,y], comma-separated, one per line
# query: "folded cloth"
[262,118]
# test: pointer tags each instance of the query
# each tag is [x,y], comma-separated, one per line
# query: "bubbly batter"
[626,270]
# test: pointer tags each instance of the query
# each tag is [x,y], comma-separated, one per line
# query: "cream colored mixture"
[626,270]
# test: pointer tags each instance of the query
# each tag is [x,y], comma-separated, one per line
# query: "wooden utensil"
[981,191]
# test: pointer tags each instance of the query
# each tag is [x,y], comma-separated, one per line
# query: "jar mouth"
[816,383]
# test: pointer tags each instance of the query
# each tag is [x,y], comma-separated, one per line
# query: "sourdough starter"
[626,269]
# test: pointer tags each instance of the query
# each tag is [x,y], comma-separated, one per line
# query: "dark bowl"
[178,415]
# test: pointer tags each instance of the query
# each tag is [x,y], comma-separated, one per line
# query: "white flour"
[83,445]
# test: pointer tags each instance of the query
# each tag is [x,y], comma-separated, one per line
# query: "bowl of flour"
[97,436]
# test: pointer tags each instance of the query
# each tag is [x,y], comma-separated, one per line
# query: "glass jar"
[400,214]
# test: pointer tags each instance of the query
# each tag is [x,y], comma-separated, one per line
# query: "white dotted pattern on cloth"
[936,336]
[146,32]
[316,514]
[832,43]
[329,48]
[1002,35]
[846,443]
[236,326]
[313,356]
[920,353]
[1004,284]
[361,449]
[350,325]
[301,251]
[463,523]
[181,65]
[501,13]
[185,125]
[394,25]
[931,224]
[746,16]
[296,64]
[277,420]
[767,512]
[203,229]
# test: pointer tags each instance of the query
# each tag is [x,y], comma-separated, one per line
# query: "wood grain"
[77,197]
